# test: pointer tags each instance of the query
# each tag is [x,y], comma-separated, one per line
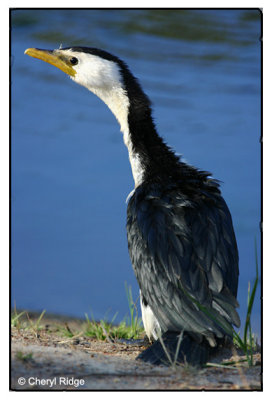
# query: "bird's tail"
[173,349]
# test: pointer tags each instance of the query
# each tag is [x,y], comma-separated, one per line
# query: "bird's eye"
[74,61]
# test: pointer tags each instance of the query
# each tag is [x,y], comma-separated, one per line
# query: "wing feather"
[185,258]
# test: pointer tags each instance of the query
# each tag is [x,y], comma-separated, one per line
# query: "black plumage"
[181,244]
[180,234]
[185,259]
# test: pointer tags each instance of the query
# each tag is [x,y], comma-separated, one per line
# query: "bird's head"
[103,74]
[93,68]
[99,71]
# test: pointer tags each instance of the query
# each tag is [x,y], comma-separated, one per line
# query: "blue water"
[70,169]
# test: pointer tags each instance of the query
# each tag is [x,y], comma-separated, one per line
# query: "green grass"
[16,319]
[108,331]
[24,356]
[130,328]
[18,322]
[247,342]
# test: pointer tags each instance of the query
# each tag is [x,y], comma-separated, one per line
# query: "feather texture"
[185,258]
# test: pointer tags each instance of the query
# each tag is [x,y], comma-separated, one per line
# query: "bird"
[181,239]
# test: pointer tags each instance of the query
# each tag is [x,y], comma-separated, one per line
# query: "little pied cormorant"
[180,235]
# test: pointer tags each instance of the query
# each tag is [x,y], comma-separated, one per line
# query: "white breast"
[151,324]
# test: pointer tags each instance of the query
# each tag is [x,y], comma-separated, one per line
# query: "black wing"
[185,258]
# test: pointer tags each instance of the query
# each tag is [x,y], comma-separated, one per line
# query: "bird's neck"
[117,102]
[148,154]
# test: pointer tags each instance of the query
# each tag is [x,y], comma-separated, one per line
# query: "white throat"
[103,78]
[118,102]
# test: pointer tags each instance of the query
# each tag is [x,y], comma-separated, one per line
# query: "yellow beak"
[54,58]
